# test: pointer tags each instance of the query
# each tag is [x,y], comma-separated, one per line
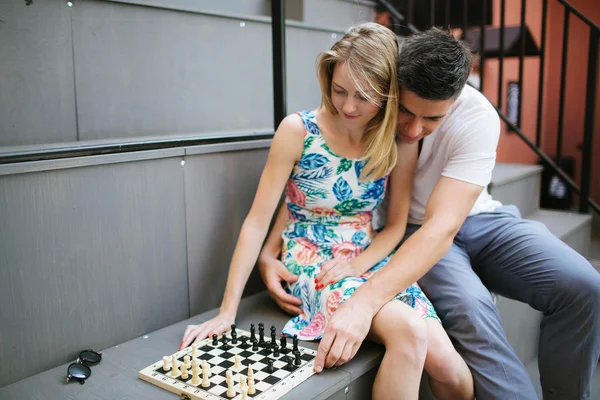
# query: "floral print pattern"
[330,213]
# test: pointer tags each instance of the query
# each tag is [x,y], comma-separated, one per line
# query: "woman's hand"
[217,325]
[333,271]
[273,273]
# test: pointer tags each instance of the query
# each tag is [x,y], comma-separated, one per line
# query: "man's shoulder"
[470,107]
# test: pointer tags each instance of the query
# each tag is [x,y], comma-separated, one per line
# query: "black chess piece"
[225,346]
[244,339]
[233,334]
[275,350]
[290,365]
[283,342]
[270,366]
[255,346]
[273,334]
[298,360]
[215,341]
[261,334]
[295,340]
[252,333]
[267,349]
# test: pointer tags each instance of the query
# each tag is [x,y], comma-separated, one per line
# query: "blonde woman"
[334,164]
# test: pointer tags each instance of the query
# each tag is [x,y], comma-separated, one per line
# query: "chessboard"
[242,366]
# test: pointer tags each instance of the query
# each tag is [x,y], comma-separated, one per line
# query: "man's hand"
[345,332]
[273,272]
[334,271]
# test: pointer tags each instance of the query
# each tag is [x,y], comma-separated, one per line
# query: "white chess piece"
[184,371]
[237,364]
[195,375]
[244,394]
[195,364]
[175,370]
[186,361]
[205,376]
[251,389]
[194,350]
[229,380]
[243,382]
[166,365]
[250,373]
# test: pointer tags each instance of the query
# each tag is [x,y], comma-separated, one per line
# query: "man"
[460,244]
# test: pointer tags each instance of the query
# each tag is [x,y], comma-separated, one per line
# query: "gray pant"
[521,260]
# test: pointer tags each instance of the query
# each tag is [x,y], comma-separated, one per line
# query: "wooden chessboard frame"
[197,392]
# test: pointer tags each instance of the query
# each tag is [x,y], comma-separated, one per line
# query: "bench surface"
[116,377]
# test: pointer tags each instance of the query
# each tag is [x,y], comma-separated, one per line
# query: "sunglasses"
[79,371]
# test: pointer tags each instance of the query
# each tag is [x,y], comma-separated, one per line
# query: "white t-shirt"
[463,147]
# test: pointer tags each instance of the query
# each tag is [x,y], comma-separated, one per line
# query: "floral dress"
[330,213]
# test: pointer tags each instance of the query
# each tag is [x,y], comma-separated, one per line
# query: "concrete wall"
[103,249]
[109,70]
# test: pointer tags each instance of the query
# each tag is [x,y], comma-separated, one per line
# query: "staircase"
[520,185]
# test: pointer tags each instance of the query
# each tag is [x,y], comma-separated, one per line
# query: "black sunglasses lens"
[79,372]
[89,357]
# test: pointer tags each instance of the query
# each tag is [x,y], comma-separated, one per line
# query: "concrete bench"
[116,376]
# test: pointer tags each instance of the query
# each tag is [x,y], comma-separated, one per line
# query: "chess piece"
[269,366]
[205,376]
[298,360]
[254,346]
[251,389]
[250,373]
[290,365]
[236,362]
[187,362]
[233,334]
[184,371]
[243,339]
[215,342]
[225,346]
[261,334]
[243,382]
[273,334]
[166,366]
[275,350]
[244,394]
[175,370]
[195,375]
[283,342]
[229,380]
[194,350]
[295,341]
[252,333]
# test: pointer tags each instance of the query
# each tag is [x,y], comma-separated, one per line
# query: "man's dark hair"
[434,65]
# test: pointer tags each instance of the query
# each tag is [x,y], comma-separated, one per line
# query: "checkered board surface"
[268,385]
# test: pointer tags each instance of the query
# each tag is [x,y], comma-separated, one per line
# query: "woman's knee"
[441,356]
[401,329]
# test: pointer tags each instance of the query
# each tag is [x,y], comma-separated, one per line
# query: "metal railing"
[585,202]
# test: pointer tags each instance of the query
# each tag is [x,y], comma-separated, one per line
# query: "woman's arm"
[399,192]
[286,149]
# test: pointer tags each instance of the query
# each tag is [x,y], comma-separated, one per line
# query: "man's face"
[418,117]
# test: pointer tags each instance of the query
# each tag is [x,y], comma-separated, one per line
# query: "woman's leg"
[404,334]
[449,376]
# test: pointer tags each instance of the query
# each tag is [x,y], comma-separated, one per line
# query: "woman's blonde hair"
[370,51]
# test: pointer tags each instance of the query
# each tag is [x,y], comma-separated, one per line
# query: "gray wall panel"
[143,71]
[89,257]
[220,189]
[37,97]
[337,14]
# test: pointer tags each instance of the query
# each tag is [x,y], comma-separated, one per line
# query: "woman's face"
[353,108]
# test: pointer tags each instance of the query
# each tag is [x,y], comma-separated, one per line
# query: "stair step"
[572,228]
[517,184]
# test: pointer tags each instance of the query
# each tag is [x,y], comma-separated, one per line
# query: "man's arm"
[420,252]
[351,322]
